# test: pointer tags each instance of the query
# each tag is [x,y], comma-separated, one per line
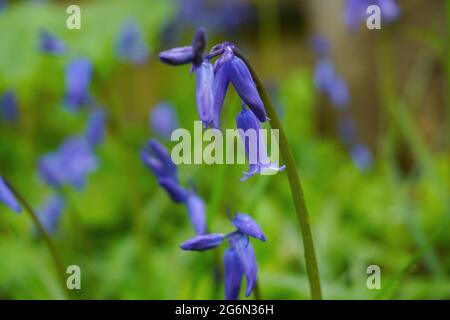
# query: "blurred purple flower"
[50,213]
[78,79]
[347,130]
[49,43]
[356,11]
[8,106]
[3,5]
[177,193]
[130,45]
[70,164]
[163,120]
[158,160]
[361,155]
[95,129]
[328,81]
[255,148]
[197,212]
[7,197]
[321,46]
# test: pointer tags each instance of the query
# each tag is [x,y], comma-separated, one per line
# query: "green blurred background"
[122,229]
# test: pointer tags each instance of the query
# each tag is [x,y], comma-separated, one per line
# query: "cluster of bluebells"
[239,258]
[355,11]
[329,82]
[130,45]
[157,158]
[212,83]
[8,107]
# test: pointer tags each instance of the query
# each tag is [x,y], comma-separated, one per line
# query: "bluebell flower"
[8,106]
[130,45]
[203,242]
[245,86]
[95,129]
[233,273]
[246,225]
[158,160]
[255,148]
[204,81]
[197,212]
[50,212]
[328,81]
[198,47]
[321,46]
[177,56]
[7,197]
[78,79]
[347,130]
[177,193]
[163,120]
[356,11]
[70,164]
[239,258]
[49,43]
[361,156]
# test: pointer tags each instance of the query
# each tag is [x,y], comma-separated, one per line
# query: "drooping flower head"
[158,160]
[253,139]
[50,212]
[8,106]
[130,45]
[212,82]
[49,43]
[356,11]
[78,79]
[163,120]
[239,259]
[95,128]
[70,164]
[7,197]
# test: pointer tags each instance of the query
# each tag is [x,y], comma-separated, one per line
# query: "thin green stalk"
[295,185]
[48,240]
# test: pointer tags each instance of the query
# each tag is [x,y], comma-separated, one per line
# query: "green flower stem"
[48,240]
[295,185]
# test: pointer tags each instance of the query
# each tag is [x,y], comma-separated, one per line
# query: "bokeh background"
[374,169]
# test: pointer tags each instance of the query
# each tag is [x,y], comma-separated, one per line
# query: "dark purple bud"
[245,224]
[49,43]
[158,160]
[50,213]
[176,192]
[177,56]
[203,242]
[197,213]
[198,46]
[246,254]
[204,77]
[243,83]
[163,120]
[7,196]
[233,274]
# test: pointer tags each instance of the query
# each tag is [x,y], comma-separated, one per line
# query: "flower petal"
[176,192]
[203,242]
[244,250]
[204,76]
[233,274]
[8,197]
[245,224]
[177,56]
[197,213]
